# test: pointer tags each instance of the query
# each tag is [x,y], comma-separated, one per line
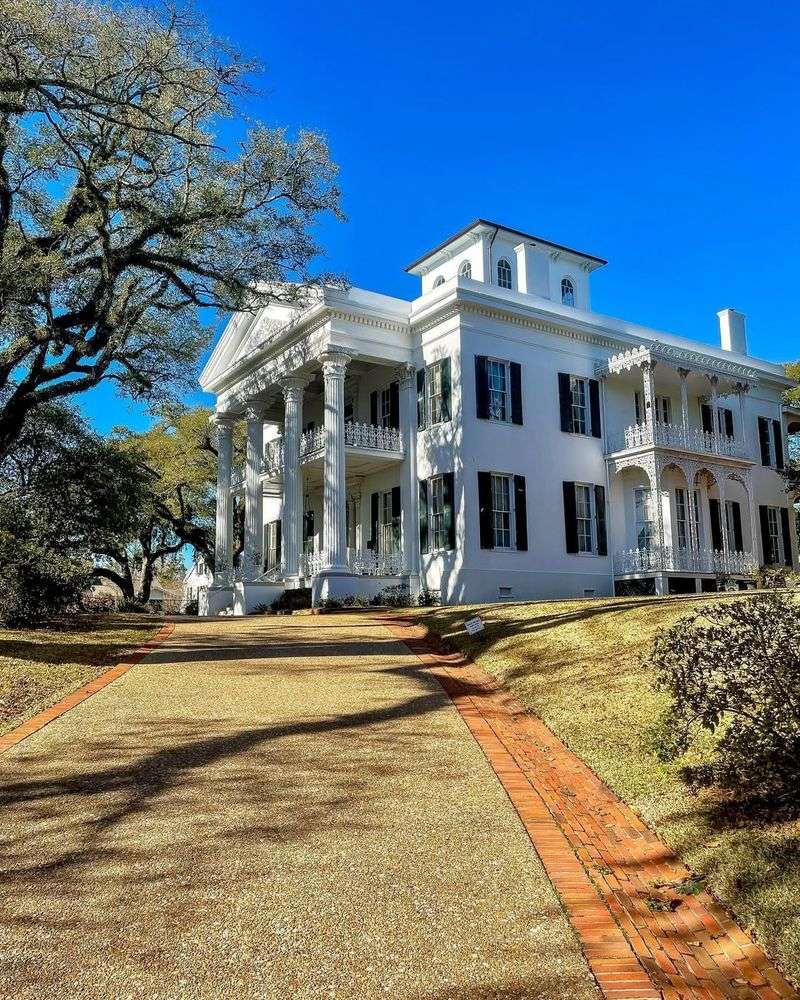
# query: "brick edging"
[603,882]
[47,715]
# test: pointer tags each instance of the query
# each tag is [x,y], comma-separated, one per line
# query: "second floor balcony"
[358,437]
[677,437]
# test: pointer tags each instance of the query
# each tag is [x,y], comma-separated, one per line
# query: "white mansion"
[493,439]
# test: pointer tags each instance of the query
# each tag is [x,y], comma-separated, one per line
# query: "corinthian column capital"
[335,362]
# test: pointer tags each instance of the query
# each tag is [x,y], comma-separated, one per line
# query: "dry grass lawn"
[581,667]
[39,666]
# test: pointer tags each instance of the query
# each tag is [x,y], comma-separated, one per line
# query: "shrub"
[129,607]
[293,600]
[193,607]
[99,603]
[395,596]
[733,669]
[427,599]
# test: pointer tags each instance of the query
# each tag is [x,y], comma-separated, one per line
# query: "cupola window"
[439,281]
[567,292]
[504,273]
[465,270]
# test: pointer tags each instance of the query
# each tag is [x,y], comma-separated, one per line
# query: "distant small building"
[198,578]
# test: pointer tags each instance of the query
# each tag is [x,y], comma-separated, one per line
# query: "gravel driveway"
[271,808]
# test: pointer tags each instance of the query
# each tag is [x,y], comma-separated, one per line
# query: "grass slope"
[581,667]
[39,666]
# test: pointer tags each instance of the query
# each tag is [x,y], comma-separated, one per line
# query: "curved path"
[272,808]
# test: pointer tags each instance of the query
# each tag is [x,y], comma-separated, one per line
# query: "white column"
[649,396]
[253,503]
[723,519]
[741,392]
[223,549]
[291,518]
[684,375]
[714,421]
[334,366]
[409,488]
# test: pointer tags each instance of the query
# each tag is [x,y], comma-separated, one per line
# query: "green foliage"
[121,213]
[63,492]
[38,580]
[427,599]
[733,670]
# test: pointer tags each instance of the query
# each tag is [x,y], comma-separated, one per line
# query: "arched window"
[504,273]
[465,269]
[439,281]
[567,292]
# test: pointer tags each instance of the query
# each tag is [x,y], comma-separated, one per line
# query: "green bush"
[733,670]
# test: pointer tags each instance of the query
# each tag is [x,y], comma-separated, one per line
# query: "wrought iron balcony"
[669,559]
[678,438]
[361,562]
[367,437]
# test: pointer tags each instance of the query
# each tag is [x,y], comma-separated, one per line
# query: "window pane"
[504,274]
[567,292]
[435,392]
[643,517]
[498,390]
[501,511]
[437,525]
[580,420]
[583,511]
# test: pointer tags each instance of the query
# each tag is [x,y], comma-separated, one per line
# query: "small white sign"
[474,626]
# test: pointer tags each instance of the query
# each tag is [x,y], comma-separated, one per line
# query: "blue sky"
[664,137]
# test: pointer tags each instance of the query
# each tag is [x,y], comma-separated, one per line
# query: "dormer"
[511,260]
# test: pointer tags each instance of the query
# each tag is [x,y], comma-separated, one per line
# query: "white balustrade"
[669,559]
[368,436]
[273,457]
[362,562]
[678,437]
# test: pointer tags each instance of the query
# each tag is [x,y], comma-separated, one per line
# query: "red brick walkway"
[41,719]
[616,878]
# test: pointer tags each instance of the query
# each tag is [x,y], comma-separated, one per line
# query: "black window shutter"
[787,538]
[395,502]
[485,510]
[278,541]
[777,437]
[594,403]
[374,500]
[707,418]
[308,524]
[516,392]
[448,481]
[424,544]
[716,525]
[766,544]
[763,440]
[520,513]
[600,513]
[446,391]
[738,541]
[373,407]
[728,414]
[481,388]
[565,402]
[637,406]
[570,517]
[421,402]
[394,405]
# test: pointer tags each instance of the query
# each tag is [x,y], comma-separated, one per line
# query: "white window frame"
[506,391]
[773,514]
[508,480]
[386,525]
[687,503]
[437,529]
[567,280]
[578,408]
[663,410]
[646,524]
[507,279]
[589,519]
[270,545]
[385,406]
[465,269]
[434,398]
[438,282]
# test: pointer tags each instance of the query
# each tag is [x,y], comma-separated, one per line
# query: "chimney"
[732,334]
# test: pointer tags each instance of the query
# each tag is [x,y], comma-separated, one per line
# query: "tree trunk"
[124,582]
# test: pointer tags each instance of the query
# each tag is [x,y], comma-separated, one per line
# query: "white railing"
[312,441]
[273,457]
[372,436]
[679,437]
[659,559]
[362,562]
[368,436]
